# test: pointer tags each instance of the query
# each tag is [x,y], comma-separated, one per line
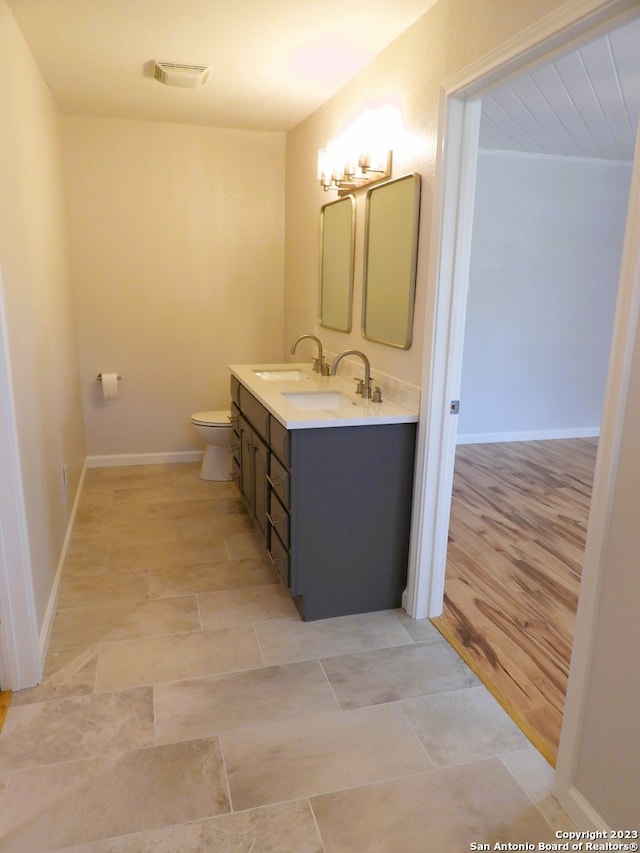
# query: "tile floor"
[185,707]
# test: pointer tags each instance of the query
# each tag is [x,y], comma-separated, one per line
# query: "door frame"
[20,662]
[560,32]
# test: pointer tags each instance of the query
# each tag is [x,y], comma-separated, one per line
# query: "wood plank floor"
[516,542]
[5,701]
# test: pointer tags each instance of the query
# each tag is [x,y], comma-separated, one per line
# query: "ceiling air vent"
[185,76]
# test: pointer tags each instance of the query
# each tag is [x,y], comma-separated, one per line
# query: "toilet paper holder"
[99,377]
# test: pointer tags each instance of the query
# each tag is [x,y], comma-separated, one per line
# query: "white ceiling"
[274,61]
[585,104]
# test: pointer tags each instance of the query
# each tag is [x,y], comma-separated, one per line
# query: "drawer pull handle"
[275,560]
[273,481]
[273,521]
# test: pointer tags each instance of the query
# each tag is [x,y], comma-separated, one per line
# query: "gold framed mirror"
[337,253]
[391,250]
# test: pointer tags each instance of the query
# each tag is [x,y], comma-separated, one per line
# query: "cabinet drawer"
[255,413]
[279,480]
[278,518]
[235,390]
[279,440]
[279,556]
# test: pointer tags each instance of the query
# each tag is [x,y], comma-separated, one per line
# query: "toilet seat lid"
[219,418]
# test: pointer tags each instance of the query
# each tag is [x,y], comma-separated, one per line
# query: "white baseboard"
[112,460]
[531,435]
[52,604]
[581,811]
[97,462]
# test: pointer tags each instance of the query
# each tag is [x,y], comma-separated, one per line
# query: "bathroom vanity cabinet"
[332,503]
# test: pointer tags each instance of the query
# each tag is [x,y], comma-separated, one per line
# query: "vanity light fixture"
[362,154]
[345,170]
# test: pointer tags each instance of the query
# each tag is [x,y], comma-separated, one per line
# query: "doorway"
[544,270]
[448,278]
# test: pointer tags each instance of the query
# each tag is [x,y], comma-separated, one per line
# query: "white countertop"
[352,412]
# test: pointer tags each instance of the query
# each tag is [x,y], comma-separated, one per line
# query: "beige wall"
[177,257]
[408,74]
[37,304]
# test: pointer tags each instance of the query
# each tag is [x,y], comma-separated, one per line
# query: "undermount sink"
[309,400]
[280,375]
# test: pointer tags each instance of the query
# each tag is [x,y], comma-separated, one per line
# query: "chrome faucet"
[318,363]
[364,385]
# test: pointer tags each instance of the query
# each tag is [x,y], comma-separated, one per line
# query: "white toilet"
[214,428]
